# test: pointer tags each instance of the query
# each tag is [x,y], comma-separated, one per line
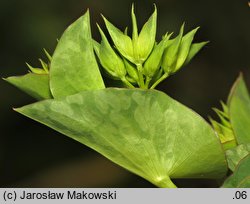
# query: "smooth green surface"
[36,85]
[145,131]
[122,42]
[73,66]
[109,59]
[235,155]
[239,111]
[241,176]
[146,39]
[185,45]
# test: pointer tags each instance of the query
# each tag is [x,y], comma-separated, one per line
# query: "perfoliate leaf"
[122,42]
[36,85]
[109,59]
[73,66]
[239,111]
[186,42]
[144,131]
[194,49]
[146,38]
[170,54]
[235,155]
[241,175]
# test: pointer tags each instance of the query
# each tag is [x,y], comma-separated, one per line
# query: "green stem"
[164,76]
[166,183]
[148,79]
[127,83]
[141,80]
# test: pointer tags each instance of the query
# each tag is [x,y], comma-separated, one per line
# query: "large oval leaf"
[145,131]
[239,111]
[74,55]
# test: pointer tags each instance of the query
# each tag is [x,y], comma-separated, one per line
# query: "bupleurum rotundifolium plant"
[141,129]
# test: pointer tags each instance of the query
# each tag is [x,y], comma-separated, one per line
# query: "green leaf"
[194,49]
[235,155]
[146,38]
[109,59]
[73,66]
[36,85]
[184,48]
[143,131]
[241,176]
[122,42]
[239,111]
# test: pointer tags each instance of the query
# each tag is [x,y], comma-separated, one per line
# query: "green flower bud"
[122,42]
[194,49]
[109,59]
[144,43]
[132,71]
[153,62]
[170,54]
[184,48]
[36,70]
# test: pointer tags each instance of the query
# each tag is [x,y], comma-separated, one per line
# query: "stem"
[148,79]
[127,83]
[141,80]
[166,183]
[164,76]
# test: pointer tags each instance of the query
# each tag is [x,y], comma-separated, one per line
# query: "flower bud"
[194,49]
[109,59]
[184,48]
[153,62]
[132,71]
[144,43]
[170,54]
[122,42]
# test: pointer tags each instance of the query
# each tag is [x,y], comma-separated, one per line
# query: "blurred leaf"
[241,175]
[36,85]
[74,55]
[143,131]
[239,111]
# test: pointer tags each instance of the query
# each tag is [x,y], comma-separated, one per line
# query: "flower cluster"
[140,61]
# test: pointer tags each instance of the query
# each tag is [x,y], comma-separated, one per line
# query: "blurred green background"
[32,155]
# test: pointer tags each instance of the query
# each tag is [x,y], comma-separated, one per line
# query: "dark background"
[32,155]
